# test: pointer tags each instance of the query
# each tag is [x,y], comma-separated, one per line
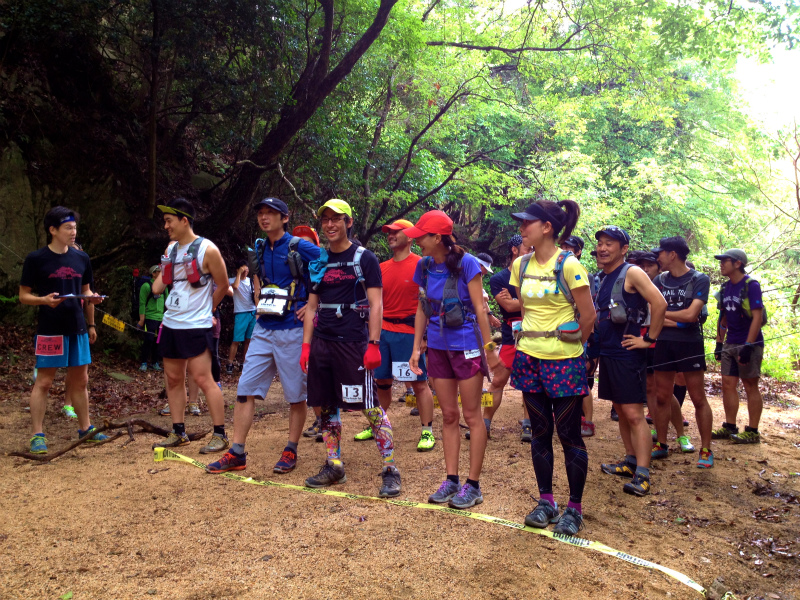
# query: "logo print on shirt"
[65,273]
[337,275]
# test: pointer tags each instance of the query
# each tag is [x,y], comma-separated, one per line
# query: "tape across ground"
[167,454]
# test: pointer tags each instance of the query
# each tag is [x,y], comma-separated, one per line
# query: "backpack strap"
[193,250]
[561,283]
[362,306]
[619,285]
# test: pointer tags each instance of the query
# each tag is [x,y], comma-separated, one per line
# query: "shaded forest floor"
[108,522]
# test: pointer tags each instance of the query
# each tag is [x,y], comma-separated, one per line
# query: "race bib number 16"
[402,372]
[353,394]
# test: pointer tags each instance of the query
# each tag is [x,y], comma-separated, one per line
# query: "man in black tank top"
[622,359]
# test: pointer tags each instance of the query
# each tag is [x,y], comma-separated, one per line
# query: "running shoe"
[724,433]
[69,412]
[544,514]
[229,369]
[654,435]
[218,443]
[314,429]
[39,444]
[685,443]
[391,482]
[330,474]
[426,442]
[164,412]
[414,412]
[446,491]
[587,428]
[365,435]
[156,367]
[173,440]
[287,462]
[706,460]
[229,462]
[614,415]
[570,523]
[638,486]
[659,451]
[143,367]
[467,498]
[748,436]
[527,435]
[649,419]
[466,435]
[193,409]
[98,437]
[622,468]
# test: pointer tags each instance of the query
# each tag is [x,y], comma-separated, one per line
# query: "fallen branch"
[146,427]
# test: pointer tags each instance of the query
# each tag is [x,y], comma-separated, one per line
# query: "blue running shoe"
[468,497]
[706,460]
[571,522]
[97,437]
[446,491]
[542,515]
[659,451]
[39,444]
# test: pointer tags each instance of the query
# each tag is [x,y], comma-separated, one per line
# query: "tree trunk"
[152,130]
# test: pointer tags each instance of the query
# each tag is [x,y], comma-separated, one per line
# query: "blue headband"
[66,219]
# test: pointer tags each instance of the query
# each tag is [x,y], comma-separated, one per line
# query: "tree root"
[145,427]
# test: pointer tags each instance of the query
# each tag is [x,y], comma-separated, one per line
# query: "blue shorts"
[55,351]
[243,324]
[397,348]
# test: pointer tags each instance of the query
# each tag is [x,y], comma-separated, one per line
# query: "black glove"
[744,354]
[718,352]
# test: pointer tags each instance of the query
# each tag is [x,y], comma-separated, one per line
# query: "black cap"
[514,242]
[575,241]
[273,203]
[672,244]
[615,233]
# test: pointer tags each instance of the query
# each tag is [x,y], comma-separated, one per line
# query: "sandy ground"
[108,522]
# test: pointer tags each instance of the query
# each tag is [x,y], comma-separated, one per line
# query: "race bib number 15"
[402,372]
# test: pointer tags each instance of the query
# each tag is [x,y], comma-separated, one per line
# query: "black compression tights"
[567,412]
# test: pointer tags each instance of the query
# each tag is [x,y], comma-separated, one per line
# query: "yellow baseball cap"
[336,205]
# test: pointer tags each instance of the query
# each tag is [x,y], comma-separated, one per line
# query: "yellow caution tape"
[487,399]
[167,454]
[113,323]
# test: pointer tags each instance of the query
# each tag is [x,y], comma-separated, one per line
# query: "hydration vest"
[659,280]
[360,306]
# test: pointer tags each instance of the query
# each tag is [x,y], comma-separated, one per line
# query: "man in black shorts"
[622,351]
[680,346]
[342,349]
[65,327]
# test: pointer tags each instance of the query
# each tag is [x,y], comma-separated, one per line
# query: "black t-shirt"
[46,272]
[610,334]
[674,290]
[498,282]
[340,286]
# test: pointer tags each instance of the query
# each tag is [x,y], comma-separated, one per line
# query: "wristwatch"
[376,342]
[646,337]
[490,346]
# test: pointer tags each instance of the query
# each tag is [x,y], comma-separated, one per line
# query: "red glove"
[304,354]
[372,357]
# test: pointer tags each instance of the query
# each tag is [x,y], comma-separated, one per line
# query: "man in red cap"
[400,300]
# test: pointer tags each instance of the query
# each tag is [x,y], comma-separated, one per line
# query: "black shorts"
[681,357]
[185,343]
[650,355]
[623,381]
[337,377]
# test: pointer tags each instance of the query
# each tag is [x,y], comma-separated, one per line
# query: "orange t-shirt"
[400,293]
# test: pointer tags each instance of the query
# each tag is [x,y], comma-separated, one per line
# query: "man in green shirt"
[151,311]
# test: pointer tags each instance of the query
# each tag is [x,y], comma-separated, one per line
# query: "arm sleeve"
[88,275]
[575,275]
[28,278]
[372,270]
[470,267]
[496,284]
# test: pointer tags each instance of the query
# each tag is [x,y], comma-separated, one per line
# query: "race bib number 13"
[402,372]
[353,394]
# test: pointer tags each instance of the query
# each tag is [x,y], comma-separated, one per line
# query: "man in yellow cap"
[341,349]
[400,300]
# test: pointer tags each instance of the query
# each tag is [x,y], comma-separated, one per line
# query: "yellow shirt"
[545,309]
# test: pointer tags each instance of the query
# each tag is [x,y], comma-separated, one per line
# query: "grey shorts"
[730,366]
[270,352]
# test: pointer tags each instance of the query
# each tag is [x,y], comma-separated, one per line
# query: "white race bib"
[468,354]
[402,372]
[177,302]
[353,394]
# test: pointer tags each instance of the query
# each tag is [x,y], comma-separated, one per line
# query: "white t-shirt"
[243,295]
[188,307]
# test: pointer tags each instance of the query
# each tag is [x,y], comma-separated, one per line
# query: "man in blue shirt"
[741,311]
[277,338]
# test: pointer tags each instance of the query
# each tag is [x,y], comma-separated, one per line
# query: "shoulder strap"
[619,284]
[523,266]
[561,284]
[426,262]
[294,260]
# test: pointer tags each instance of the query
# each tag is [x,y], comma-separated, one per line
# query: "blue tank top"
[610,334]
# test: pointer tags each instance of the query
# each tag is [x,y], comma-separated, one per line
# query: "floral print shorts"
[556,378]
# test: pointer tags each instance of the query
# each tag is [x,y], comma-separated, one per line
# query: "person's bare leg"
[424,401]
[384,395]
[664,381]
[44,380]
[77,393]
[193,389]
[498,385]
[471,391]
[232,352]
[447,392]
[588,407]
[625,431]
[243,413]
[755,403]
[676,416]
[200,368]
[639,431]
[175,373]
[730,398]
[297,419]
[695,385]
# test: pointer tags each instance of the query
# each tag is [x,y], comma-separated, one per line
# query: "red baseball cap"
[305,230]
[398,225]
[433,221]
